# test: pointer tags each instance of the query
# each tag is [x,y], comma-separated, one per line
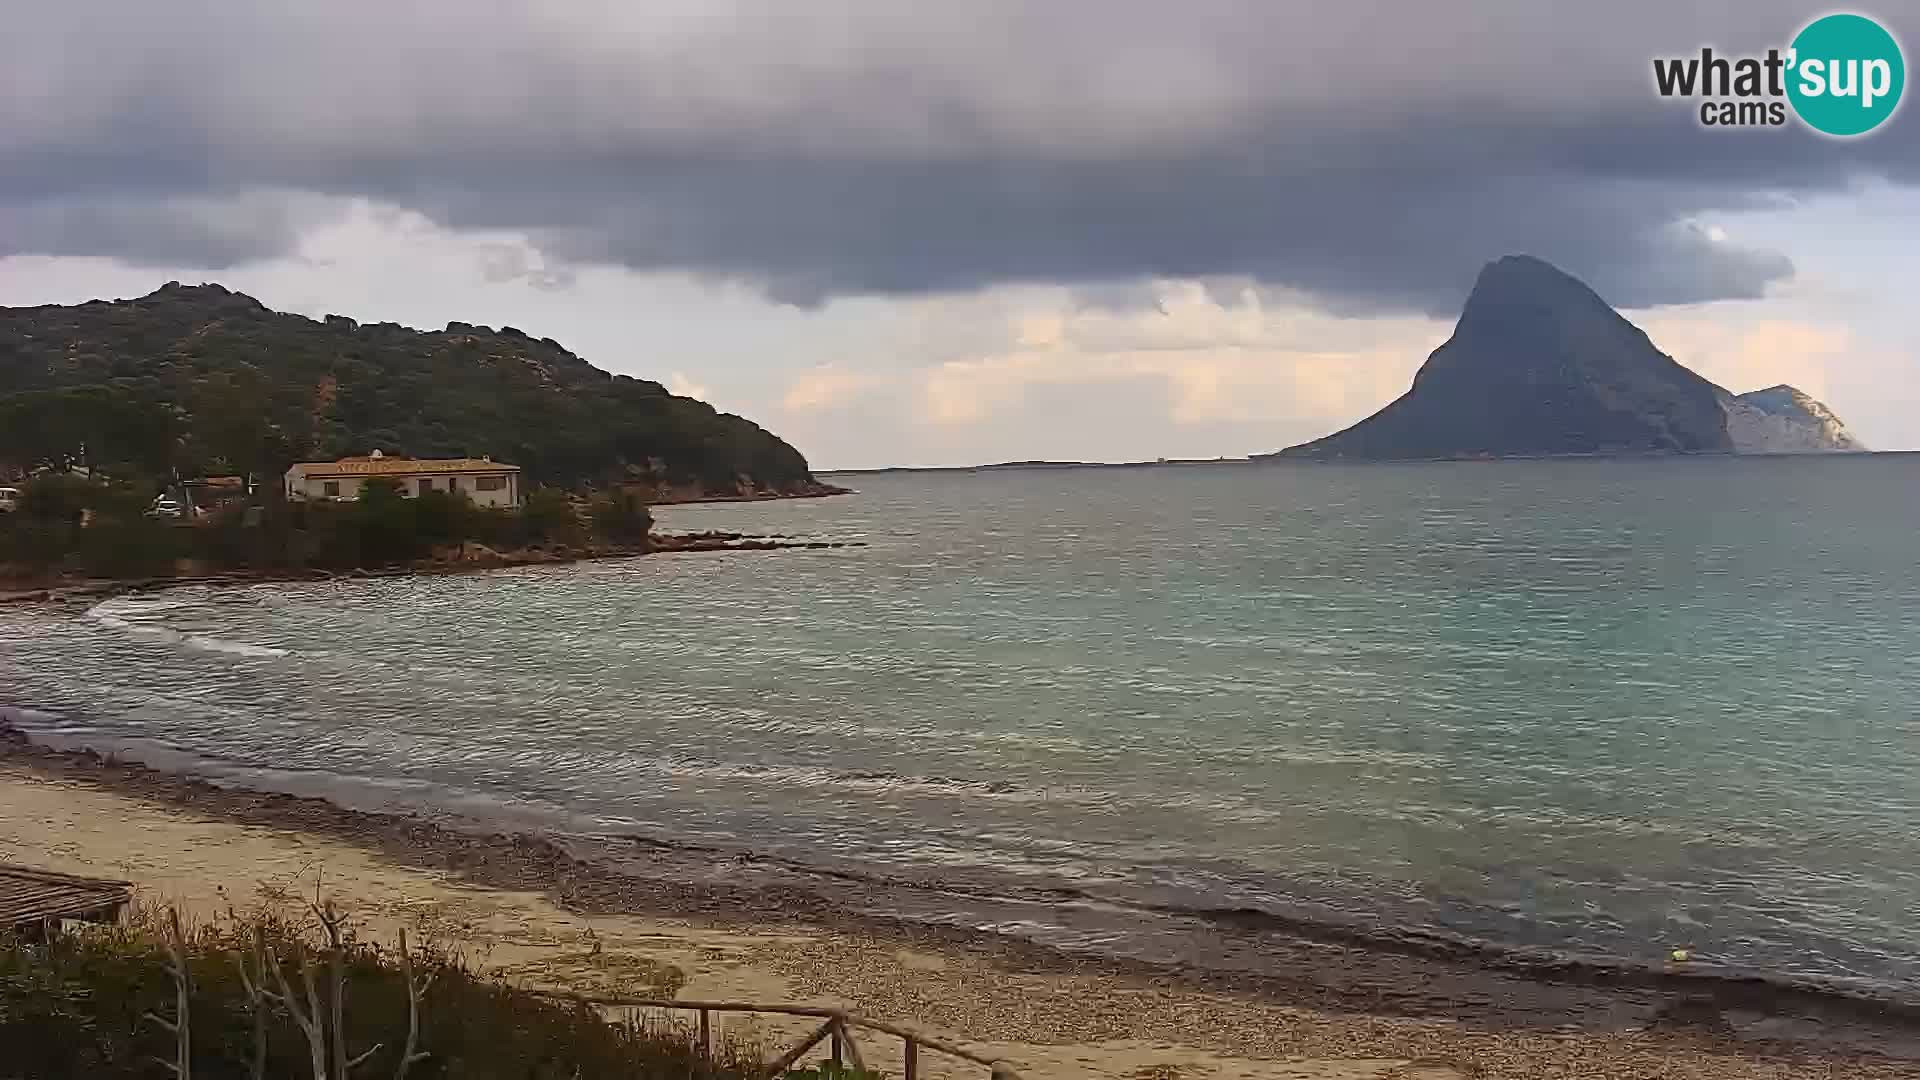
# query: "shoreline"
[1351,982]
[817,491]
[29,591]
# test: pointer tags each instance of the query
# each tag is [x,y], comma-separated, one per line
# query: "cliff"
[1782,420]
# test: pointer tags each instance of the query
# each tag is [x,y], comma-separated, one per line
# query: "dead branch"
[416,989]
[254,981]
[181,1026]
[307,1019]
[336,984]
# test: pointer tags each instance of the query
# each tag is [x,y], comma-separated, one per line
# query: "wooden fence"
[836,1029]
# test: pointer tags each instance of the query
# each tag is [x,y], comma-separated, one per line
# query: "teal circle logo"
[1845,75]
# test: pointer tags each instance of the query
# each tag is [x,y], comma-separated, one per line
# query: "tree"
[550,518]
[621,517]
[387,523]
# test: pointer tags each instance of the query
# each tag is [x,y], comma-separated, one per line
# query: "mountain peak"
[1528,266]
[1522,282]
[1539,365]
[210,294]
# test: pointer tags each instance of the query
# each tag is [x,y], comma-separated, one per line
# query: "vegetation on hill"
[73,525]
[201,380]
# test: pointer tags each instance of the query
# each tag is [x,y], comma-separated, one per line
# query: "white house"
[485,481]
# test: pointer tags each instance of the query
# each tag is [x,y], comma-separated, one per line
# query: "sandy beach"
[210,854]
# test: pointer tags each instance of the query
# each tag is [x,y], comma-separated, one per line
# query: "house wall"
[314,487]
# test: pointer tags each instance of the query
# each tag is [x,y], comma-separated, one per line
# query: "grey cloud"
[1370,153]
[514,262]
[163,230]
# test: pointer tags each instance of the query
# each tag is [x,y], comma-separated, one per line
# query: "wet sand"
[521,907]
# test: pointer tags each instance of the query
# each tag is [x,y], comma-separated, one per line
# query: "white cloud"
[1216,355]
[1767,353]
[827,386]
[679,383]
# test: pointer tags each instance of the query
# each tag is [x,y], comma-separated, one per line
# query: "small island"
[1540,366]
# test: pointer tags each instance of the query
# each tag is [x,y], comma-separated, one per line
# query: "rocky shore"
[676,496]
[464,559]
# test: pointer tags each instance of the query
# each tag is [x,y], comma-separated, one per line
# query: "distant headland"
[1540,366]
[1016,466]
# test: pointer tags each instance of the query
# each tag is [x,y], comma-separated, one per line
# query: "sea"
[1596,708]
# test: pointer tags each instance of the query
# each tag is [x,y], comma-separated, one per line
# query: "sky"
[901,234]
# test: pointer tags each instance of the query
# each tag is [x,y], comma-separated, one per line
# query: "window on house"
[426,484]
[330,488]
[490,483]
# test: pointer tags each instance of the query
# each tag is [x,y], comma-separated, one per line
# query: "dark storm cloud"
[1373,154]
[167,230]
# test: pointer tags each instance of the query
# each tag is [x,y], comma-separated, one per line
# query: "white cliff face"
[1782,420]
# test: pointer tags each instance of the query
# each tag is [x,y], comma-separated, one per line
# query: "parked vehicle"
[9,499]
[166,506]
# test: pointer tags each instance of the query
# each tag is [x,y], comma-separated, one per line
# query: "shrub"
[68,523]
[98,1004]
[550,518]
[621,517]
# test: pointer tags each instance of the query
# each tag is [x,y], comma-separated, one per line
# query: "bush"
[550,518]
[387,524]
[621,518]
[135,546]
[68,523]
[59,498]
[95,1004]
[33,545]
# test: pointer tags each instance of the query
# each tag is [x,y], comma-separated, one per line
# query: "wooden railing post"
[911,1055]
[852,1048]
[833,1052]
[706,1035]
[786,1061]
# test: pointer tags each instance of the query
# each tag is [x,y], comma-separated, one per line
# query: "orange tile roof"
[400,466]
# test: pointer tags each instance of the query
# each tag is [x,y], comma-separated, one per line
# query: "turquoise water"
[1607,706]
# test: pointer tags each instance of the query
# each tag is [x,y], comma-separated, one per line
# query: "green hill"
[207,380]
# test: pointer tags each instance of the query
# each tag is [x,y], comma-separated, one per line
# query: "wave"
[113,614]
[858,779]
[1079,919]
